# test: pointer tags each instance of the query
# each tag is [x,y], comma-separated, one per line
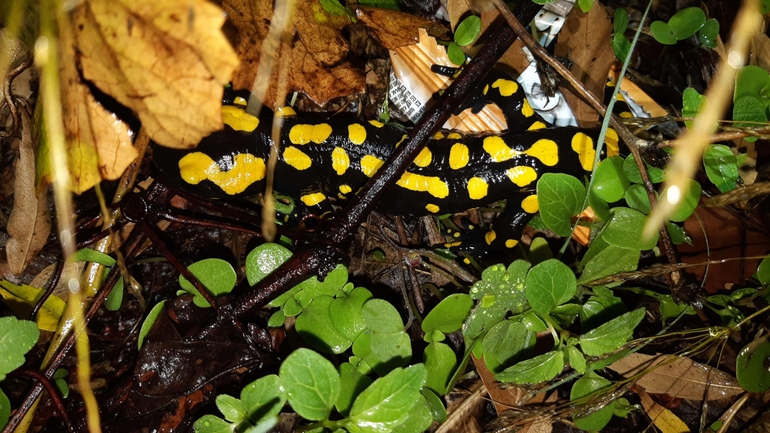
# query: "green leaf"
[677,234]
[216,274]
[311,288]
[5,409]
[263,398]
[600,309]
[691,103]
[532,322]
[688,203]
[440,363]
[506,343]
[381,316]
[636,198]
[560,197]
[449,314]
[585,5]
[721,167]
[584,386]
[17,337]
[750,81]
[316,327]
[61,384]
[750,366]
[263,260]
[548,285]
[437,408]
[609,180]
[231,408]
[312,384]
[212,424]
[382,4]
[468,31]
[115,298]
[455,54]
[620,22]
[391,349]
[632,171]
[90,255]
[611,335]
[346,313]
[352,384]
[624,230]
[763,271]
[709,32]
[600,207]
[539,250]
[419,420]
[334,7]
[499,291]
[387,402]
[149,321]
[621,46]
[662,33]
[749,112]
[276,319]
[576,359]
[686,22]
[538,369]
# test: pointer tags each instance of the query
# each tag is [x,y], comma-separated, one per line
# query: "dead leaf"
[585,39]
[760,50]
[663,418]
[317,64]
[396,29]
[21,298]
[30,221]
[167,61]
[678,377]
[510,396]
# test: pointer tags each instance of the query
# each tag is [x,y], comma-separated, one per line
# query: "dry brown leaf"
[30,221]
[167,61]
[678,377]
[585,39]
[760,51]
[504,398]
[317,65]
[396,29]
[664,419]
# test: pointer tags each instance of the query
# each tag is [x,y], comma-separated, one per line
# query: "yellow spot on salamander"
[238,119]
[452,244]
[530,204]
[296,158]
[477,188]
[486,89]
[197,166]
[424,158]
[438,136]
[356,133]
[545,150]
[345,188]
[431,184]
[457,234]
[370,165]
[304,134]
[490,237]
[313,199]
[467,261]
[240,101]
[521,175]
[285,111]
[626,115]
[340,160]
[536,125]
[458,156]
[432,208]
[454,136]
[527,109]
[506,87]
[403,137]
[611,141]
[583,145]
[510,243]
[376,123]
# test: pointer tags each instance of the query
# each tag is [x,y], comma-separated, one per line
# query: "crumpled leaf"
[317,53]
[678,377]
[167,61]
[395,29]
[30,222]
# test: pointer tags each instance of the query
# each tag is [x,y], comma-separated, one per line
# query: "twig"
[53,394]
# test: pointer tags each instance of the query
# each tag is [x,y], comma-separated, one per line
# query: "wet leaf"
[686,22]
[609,181]
[440,362]
[30,222]
[751,366]
[498,292]
[636,198]
[346,312]
[419,420]
[216,274]
[316,327]
[584,386]
[396,29]
[149,321]
[382,316]
[5,409]
[17,337]
[506,343]
[264,397]
[538,369]
[166,61]
[664,419]
[721,167]
[624,230]
[449,314]
[388,401]
[468,30]
[611,335]
[212,424]
[632,171]
[560,197]
[549,285]
[312,384]
[352,383]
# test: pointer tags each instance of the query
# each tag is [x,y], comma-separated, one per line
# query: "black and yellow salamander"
[321,161]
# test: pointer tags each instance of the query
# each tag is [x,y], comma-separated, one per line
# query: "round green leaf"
[620,21]
[721,167]
[749,112]
[437,408]
[149,321]
[17,337]
[506,343]
[600,207]
[709,32]
[584,386]
[263,260]
[687,22]
[621,46]
[312,384]
[751,369]
[749,82]
[688,203]
[539,250]
[231,408]
[632,171]
[346,313]
[538,369]
[352,383]
[419,420]
[691,103]
[5,409]
[391,350]
[609,182]
[316,327]
[763,271]
[455,54]
[449,314]
[115,298]
[611,335]
[662,33]
[440,363]
[677,234]
[468,31]
[216,274]
[388,401]
[624,230]
[212,424]
[576,359]
[264,397]
[548,285]
[636,198]
[381,316]
[560,197]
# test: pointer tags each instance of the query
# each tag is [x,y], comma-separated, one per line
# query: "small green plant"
[467,32]
[684,24]
[17,337]
[620,43]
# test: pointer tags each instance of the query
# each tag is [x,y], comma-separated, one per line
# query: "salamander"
[322,161]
